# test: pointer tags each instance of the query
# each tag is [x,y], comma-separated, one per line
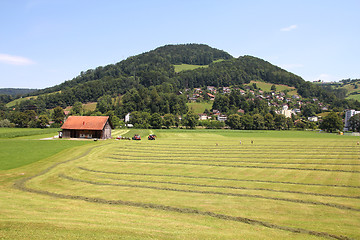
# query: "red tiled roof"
[85,122]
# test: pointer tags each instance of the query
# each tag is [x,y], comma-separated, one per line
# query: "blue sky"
[46,42]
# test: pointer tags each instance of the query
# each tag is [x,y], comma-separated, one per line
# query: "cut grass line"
[285,163]
[236,166]
[332,205]
[287,154]
[217,178]
[120,132]
[235,188]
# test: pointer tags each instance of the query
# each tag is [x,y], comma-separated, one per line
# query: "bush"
[6,124]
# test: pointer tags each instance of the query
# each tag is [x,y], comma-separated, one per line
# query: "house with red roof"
[87,127]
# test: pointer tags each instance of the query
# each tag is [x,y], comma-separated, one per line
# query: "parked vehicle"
[152,137]
[136,137]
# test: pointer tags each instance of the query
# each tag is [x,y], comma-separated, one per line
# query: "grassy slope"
[353,93]
[199,107]
[13,103]
[82,203]
[267,87]
[184,67]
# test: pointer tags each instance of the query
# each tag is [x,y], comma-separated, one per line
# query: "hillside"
[347,88]
[173,68]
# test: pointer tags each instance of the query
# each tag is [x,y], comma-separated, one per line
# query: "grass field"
[199,107]
[26,132]
[189,184]
[184,67]
[267,87]
[355,97]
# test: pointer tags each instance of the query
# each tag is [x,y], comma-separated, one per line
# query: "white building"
[313,119]
[286,111]
[348,115]
[127,117]
[222,118]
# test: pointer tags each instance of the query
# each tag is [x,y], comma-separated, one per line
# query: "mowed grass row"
[203,177]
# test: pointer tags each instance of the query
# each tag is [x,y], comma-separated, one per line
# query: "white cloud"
[15,60]
[290,28]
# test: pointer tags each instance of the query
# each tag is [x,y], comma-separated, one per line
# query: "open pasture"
[191,184]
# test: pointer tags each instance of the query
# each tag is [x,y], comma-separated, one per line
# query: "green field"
[199,107]
[185,67]
[188,184]
[267,87]
[355,97]
[26,132]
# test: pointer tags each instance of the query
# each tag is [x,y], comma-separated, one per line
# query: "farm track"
[343,207]
[232,187]
[217,178]
[234,166]
[266,162]
[21,185]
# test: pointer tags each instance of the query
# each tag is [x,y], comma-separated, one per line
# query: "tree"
[269,121]
[273,87]
[77,109]
[354,122]
[156,121]
[259,122]
[58,115]
[140,119]
[104,104]
[233,121]
[280,121]
[169,120]
[190,120]
[42,121]
[331,123]
[289,123]
[310,110]
[6,123]
[247,122]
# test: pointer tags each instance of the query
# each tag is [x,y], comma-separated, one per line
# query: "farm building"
[87,127]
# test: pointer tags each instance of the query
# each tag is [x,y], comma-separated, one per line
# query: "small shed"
[87,127]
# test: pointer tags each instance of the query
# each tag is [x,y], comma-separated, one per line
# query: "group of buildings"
[99,127]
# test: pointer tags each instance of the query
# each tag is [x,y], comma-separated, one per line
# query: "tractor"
[152,137]
[136,137]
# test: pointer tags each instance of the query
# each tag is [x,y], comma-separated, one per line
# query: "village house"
[226,90]
[313,119]
[221,118]
[204,116]
[87,127]
[211,89]
[212,97]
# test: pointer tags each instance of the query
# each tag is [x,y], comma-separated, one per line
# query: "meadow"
[188,184]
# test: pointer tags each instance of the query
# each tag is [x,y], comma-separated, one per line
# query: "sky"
[46,42]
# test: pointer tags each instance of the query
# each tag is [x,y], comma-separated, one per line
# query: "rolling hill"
[172,68]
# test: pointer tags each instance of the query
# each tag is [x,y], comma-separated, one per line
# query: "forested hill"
[157,68]
[150,68]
